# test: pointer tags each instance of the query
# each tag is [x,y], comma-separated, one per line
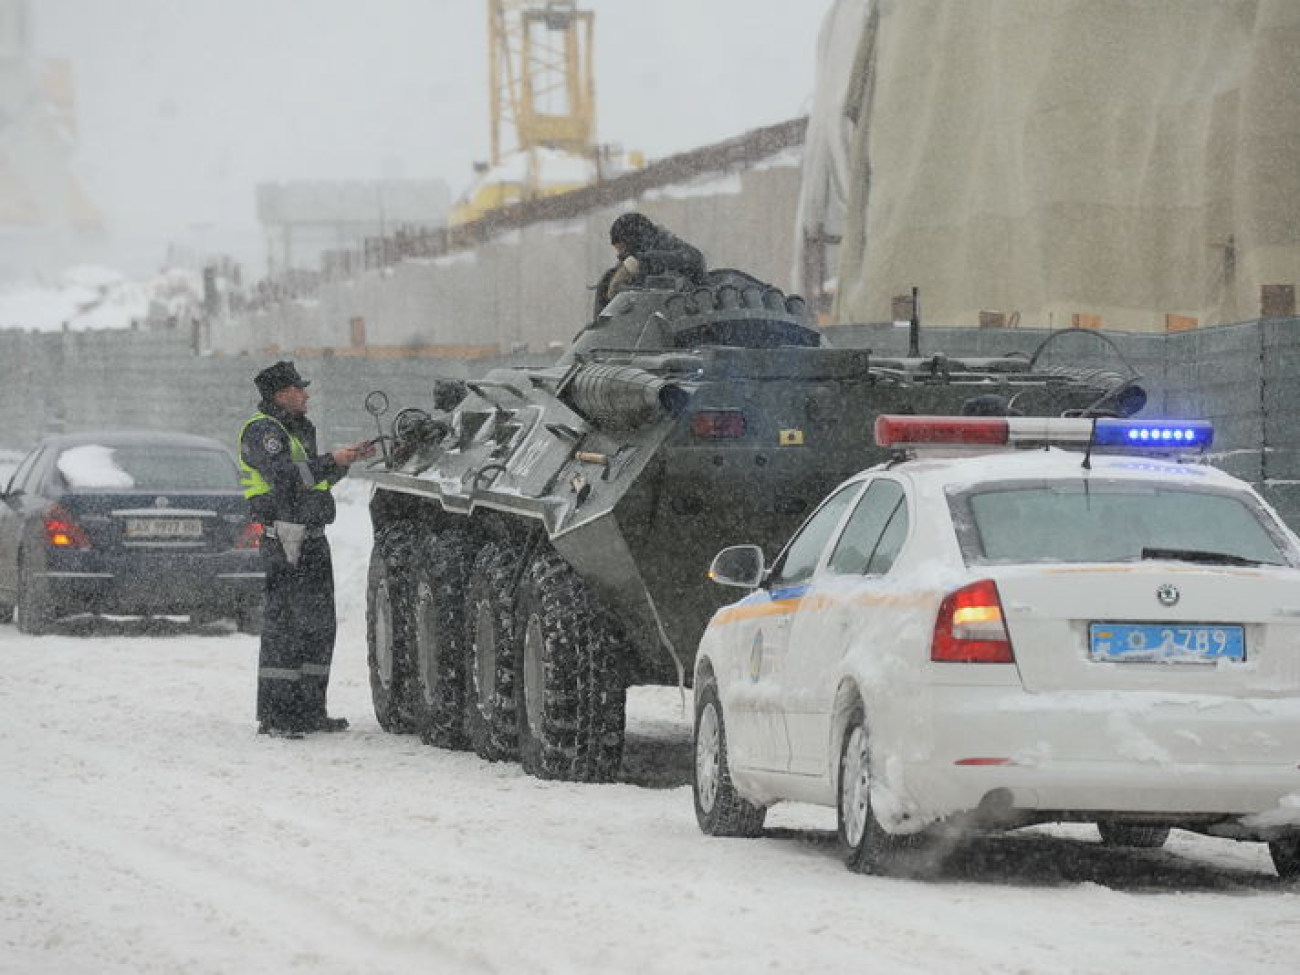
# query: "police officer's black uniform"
[288,482]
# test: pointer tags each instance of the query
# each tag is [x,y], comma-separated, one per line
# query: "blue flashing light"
[1166,434]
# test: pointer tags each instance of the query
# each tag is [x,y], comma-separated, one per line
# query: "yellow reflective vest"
[251,479]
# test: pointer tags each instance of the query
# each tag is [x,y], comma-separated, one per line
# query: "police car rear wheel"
[719,809]
[866,846]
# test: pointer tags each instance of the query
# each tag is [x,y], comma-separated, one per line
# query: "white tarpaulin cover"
[1123,160]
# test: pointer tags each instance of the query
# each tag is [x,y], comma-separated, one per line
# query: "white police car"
[979,636]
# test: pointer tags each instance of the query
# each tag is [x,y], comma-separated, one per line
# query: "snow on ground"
[146,828]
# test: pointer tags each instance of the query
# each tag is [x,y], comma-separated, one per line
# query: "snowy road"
[145,828]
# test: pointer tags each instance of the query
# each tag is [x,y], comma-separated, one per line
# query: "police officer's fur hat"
[280,376]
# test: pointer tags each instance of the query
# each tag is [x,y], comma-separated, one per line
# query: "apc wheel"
[490,720]
[866,845]
[441,579]
[1128,834]
[389,618]
[1286,856]
[33,614]
[570,693]
[719,810]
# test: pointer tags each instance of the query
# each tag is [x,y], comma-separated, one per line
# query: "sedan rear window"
[1099,521]
[147,467]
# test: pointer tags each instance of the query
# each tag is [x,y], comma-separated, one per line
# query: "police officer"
[288,486]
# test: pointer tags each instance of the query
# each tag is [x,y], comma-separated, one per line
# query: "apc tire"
[570,692]
[491,723]
[440,581]
[1132,835]
[719,809]
[389,619]
[33,614]
[867,846]
[1286,856]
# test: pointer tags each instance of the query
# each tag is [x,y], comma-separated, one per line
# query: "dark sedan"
[129,522]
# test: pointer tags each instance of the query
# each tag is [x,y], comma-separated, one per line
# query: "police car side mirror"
[738,565]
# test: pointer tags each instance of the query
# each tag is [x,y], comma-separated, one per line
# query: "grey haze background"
[185,105]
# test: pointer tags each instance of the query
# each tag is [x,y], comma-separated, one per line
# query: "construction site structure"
[543,107]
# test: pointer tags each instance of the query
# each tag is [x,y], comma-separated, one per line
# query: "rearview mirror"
[738,565]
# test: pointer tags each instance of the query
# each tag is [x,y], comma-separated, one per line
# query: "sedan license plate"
[137,528]
[1167,643]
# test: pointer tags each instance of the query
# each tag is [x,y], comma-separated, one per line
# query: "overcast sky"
[184,105]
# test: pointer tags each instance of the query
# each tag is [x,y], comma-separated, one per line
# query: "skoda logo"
[1168,594]
[160,502]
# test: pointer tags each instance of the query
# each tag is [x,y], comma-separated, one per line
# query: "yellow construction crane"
[543,90]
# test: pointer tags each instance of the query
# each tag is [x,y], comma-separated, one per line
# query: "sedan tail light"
[250,536]
[970,627]
[61,529]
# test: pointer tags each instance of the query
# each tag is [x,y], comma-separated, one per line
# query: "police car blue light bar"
[1174,436]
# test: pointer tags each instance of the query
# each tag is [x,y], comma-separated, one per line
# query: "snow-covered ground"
[146,828]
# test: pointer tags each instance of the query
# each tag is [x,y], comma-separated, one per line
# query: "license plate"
[164,528]
[1165,643]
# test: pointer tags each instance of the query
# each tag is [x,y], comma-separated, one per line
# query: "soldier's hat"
[631,230]
[280,376]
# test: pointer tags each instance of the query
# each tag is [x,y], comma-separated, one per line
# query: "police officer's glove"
[632,265]
[291,536]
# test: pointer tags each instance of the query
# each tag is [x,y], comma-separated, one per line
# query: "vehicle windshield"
[1100,521]
[152,467]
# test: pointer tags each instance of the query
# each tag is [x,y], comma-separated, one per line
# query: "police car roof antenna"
[914,326]
[1092,439]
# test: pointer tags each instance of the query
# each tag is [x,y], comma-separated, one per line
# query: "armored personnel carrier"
[541,535]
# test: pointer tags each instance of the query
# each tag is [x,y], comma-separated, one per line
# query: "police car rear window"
[1098,521]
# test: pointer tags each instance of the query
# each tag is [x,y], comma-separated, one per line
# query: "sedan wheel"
[33,616]
[1286,856]
[1129,834]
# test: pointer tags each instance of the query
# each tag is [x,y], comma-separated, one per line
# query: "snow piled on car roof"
[92,466]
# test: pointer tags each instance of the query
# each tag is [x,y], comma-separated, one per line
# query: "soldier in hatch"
[645,249]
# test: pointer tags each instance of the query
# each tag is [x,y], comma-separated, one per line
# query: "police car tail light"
[250,536]
[718,424]
[61,529]
[970,627]
[1176,436]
